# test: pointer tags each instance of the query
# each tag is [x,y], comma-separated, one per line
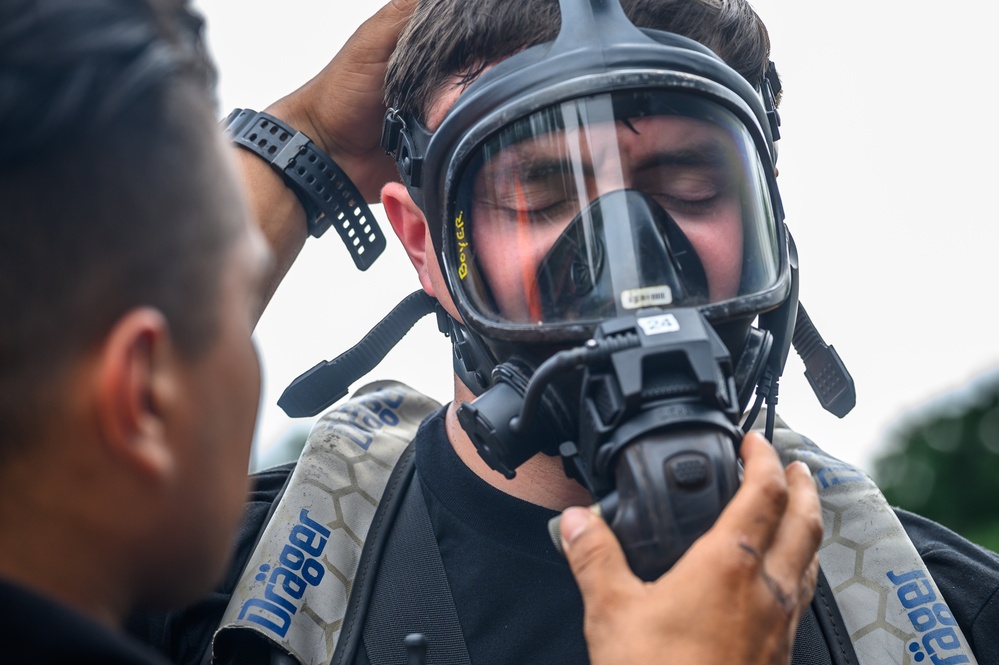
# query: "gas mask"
[605,211]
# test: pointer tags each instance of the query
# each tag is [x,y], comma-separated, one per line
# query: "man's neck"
[56,551]
[540,480]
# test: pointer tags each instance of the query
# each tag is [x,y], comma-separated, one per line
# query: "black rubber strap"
[327,194]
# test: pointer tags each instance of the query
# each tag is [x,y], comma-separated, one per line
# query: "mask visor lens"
[601,205]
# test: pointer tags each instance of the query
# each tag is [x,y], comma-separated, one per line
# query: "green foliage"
[946,467]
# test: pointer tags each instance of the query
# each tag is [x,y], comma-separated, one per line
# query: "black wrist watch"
[327,194]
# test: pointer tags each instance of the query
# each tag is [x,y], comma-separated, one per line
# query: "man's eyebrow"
[526,159]
[537,168]
[703,155]
[546,164]
[537,148]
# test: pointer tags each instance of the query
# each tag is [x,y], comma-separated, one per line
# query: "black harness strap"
[411,593]
[831,623]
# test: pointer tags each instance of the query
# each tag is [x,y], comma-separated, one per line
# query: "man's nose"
[609,181]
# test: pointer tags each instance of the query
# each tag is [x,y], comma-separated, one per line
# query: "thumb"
[595,557]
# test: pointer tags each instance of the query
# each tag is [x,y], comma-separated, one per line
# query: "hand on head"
[734,598]
[341,108]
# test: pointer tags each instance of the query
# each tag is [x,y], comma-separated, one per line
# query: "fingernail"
[574,522]
[804,467]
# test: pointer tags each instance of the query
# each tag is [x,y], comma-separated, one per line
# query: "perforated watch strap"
[327,194]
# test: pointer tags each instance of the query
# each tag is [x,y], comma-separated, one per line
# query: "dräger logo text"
[931,618]
[373,416]
[297,569]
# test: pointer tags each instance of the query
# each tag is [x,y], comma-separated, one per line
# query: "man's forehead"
[446,97]
[440,107]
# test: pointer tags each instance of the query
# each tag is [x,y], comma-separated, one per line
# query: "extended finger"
[809,581]
[756,509]
[344,103]
[793,551]
[378,34]
[595,557]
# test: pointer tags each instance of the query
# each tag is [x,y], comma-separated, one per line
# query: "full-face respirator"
[605,211]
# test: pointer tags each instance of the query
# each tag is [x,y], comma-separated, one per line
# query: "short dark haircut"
[108,166]
[449,38]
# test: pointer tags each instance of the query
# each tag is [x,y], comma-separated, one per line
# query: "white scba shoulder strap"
[890,604]
[295,587]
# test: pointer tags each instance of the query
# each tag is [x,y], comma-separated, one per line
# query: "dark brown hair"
[458,38]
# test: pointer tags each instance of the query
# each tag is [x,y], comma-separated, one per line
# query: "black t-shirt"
[36,630]
[514,594]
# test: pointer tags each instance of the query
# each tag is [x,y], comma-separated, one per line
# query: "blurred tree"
[285,448]
[944,464]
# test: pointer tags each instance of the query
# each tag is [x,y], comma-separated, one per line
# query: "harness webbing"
[412,594]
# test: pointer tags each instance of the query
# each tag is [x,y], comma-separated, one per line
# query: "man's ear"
[136,381]
[410,225]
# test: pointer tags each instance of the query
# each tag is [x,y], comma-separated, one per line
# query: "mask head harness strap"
[771,88]
[407,141]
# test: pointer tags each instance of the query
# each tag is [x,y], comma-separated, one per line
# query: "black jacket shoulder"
[967,576]
[39,630]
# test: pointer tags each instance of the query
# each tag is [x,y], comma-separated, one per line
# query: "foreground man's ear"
[410,225]
[137,383]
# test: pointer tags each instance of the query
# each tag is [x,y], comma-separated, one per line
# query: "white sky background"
[888,172]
